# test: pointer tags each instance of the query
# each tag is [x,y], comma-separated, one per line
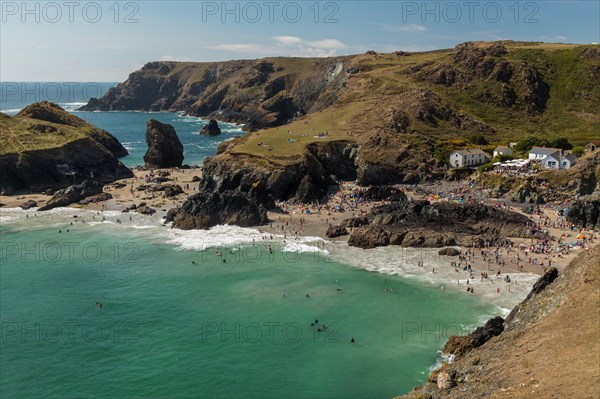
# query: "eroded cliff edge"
[549,346]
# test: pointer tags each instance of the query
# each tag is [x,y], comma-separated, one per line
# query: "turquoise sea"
[178,322]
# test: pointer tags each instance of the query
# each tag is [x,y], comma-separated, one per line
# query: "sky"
[104,41]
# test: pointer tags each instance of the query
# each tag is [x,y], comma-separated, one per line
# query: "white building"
[502,150]
[558,162]
[468,158]
[550,162]
[539,153]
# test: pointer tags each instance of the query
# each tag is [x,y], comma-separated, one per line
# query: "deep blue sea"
[128,127]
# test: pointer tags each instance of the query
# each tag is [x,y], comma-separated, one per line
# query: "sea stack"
[164,148]
[212,129]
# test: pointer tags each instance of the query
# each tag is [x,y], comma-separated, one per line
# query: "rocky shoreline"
[517,357]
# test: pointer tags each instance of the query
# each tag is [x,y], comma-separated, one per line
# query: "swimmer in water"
[351,340]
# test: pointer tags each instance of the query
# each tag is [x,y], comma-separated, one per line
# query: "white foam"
[398,261]
[71,107]
[295,246]
[218,236]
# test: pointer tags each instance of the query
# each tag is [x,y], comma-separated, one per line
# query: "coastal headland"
[354,150]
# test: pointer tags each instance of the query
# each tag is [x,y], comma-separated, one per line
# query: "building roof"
[594,142]
[502,148]
[551,157]
[544,150]
[570,157]
[470,151]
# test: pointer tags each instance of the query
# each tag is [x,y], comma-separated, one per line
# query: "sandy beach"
[297,221]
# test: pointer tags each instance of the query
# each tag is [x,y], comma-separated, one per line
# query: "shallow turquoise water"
[171,328]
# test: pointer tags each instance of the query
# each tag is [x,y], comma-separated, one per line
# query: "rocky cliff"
[44,147]
[546,348]
[258,93]
[376,118]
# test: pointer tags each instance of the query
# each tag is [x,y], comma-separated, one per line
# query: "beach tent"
[580,236]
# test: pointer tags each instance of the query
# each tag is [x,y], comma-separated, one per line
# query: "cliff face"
[45,147]
[547,348]
[257,93]
[263,182]
[376,118]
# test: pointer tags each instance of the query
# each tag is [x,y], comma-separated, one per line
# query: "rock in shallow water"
[211,129]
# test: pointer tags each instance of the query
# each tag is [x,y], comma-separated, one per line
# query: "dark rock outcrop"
[383,193]
[205,210]
[28,205]
[94,199]
[421,224]
[211,129]
[585,213]
[527,193]
[164,148]
[460,345]
[73,194]
[173,190]
[449,252]
[145,210]
[171,214]
[336,231]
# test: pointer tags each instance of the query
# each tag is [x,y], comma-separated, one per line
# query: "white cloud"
[331,44]
[286,46]
[404,28]
[557,38]
[287,40]
[175,58]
